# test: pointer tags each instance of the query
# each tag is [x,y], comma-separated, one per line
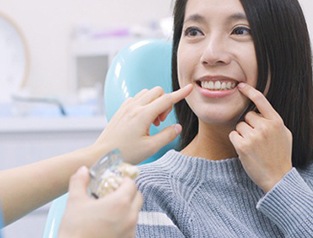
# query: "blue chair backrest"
[1,223]
[54,217]
[145,64]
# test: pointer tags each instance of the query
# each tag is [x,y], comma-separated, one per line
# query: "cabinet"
[89,62]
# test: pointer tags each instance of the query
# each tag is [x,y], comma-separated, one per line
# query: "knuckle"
[133,112]
[279,122]
[241,148]
[239,125]
[262,128]
[232,135]
[128,101]
[168,97]
[159,89]
[257,96]
[248,116]
[263,132]
[128,104]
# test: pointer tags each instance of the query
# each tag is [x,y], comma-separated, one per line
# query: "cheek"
[183,68]
[188,58]
[251,69]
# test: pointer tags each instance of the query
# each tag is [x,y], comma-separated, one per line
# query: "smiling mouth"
[217,85]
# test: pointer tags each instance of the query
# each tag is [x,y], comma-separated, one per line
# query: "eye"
[192,32]
[241,30]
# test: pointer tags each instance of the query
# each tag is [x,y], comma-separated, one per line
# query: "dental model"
[108,173]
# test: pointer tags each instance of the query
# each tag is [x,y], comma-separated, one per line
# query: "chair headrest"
[144,64]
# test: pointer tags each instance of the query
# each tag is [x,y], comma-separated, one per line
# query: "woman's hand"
[114,215]
[128,130]
[262,141]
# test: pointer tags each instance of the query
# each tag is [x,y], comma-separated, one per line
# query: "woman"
[245,165]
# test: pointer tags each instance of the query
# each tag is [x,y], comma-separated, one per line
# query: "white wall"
[47,26]
[307,6]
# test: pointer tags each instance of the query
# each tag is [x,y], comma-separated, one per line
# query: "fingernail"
[189,85]
[82,170]
[241,85]
[178,128]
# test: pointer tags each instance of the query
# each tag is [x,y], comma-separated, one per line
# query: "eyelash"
[190,30]
[241,28]
[236,31]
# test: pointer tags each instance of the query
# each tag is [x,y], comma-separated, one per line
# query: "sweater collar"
[179,164]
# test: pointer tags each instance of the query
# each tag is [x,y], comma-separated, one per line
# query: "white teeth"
[217,85]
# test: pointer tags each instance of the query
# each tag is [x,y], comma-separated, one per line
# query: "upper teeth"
[217,85]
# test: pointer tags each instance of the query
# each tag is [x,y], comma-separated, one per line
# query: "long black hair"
[283,52]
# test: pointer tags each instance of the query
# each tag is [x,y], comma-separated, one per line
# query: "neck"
[211,142]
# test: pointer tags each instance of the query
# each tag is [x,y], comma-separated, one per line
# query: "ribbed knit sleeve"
[290,206]
[154,218]
[195,197]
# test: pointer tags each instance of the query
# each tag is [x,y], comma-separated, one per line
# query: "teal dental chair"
[1,224]
[144,64]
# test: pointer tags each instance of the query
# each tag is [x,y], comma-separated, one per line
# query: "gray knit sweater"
[194,197]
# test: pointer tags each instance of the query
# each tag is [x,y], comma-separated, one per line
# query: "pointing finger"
[181,93]
[260,101]
[163,105]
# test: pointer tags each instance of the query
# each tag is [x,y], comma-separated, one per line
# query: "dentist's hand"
[114,215]
[262,141]
[128,130]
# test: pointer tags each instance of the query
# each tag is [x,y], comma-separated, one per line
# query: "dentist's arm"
[28,187]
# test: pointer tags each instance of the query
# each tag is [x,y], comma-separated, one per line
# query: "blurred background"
[67,41]
[53,62]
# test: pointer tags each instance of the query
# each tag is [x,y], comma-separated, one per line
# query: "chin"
[220,119]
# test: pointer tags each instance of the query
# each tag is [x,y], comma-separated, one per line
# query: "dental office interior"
[52,75]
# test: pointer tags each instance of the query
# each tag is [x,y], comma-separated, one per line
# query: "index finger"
[260,101]
[181,93]
[165,102]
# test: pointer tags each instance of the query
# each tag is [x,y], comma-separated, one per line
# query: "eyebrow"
[195,18]
[237,16]
[201,19]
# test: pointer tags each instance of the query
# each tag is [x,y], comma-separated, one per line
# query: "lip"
[216,93]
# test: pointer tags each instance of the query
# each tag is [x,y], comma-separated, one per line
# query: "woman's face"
[215,53]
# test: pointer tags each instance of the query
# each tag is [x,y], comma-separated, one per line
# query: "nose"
[216,52]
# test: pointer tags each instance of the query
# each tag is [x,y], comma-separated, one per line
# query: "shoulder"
[156,173]
[164,176]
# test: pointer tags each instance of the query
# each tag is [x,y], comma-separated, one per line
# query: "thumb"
[166,136]
[79,182]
